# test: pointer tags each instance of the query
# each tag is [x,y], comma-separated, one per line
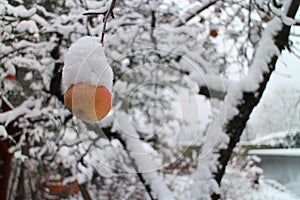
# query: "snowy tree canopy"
[186,77]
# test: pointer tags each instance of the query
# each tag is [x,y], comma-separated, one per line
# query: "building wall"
[284,169]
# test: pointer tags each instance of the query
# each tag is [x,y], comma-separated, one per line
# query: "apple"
[89,103]
[11,77]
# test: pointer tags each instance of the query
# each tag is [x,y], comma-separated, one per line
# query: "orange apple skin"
[87,102]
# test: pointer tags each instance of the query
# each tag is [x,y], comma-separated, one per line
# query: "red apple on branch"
[88,79]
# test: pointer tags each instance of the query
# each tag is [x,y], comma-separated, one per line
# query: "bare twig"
[153,24]
[107,15]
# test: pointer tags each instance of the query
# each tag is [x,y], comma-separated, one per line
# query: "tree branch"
[132,143]
[110,135]
[84,191]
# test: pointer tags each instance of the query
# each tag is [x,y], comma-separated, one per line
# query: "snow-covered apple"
[88,80]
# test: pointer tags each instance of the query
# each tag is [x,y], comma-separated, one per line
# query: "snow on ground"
[272,190]
[294,186]
[180,186]
[237,184]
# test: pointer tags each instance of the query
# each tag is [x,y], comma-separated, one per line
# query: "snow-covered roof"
[274,139]
[276,152]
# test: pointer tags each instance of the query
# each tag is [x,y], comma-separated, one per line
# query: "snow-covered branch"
[211,86]
[9,116]
[139,153]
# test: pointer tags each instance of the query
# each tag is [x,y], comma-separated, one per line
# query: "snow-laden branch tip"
[24,108]
[15,47]
[20,11]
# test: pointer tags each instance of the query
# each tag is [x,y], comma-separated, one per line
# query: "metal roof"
[276,152]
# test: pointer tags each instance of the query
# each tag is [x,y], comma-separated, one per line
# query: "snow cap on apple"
[88,79]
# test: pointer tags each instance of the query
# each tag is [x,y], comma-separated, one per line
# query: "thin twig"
[107,15]
[153,25]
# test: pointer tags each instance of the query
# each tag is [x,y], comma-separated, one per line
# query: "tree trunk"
[84,192]
[5,156]
[21,194]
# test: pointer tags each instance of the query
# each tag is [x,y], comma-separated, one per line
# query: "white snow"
[85,175]
[19,155]
[27,25]
[294,186]
[97,4]
[101,9]
[85,62]
[28,76]
[70,4]
[213,82]
[10,68]
[180,185]
[70,137]
[20,11]
[2,9]
[38,19]
[238,184]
